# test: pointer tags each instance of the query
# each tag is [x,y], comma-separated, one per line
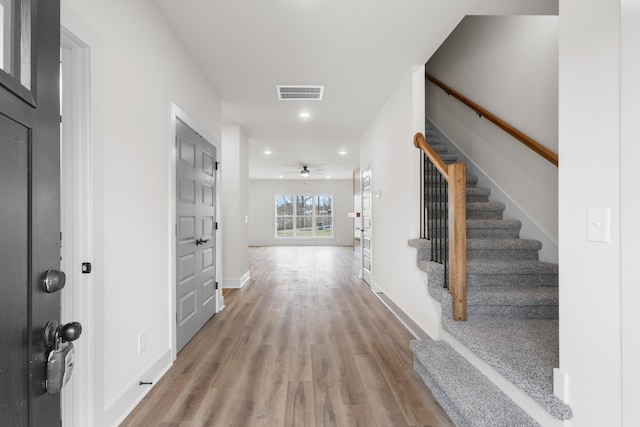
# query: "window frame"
[310,218]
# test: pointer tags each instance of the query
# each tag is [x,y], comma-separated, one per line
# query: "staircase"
[512,319]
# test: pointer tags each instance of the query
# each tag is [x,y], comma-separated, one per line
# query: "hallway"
[304,343]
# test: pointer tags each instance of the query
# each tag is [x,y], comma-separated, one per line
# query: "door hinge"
[216,225]
[217,165]
[217,285]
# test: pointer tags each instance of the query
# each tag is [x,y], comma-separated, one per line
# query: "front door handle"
[61,357]
[54,333]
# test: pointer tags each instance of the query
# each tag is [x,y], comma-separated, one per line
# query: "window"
[304,216]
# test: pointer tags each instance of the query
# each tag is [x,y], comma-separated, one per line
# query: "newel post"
[458,239]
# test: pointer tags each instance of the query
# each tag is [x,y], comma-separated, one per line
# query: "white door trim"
[83,401]
[177,113]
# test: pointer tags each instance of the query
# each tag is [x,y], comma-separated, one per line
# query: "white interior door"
[195,231]
[366,224]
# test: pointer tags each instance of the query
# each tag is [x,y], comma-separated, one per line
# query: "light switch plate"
[599,225]
[142,342]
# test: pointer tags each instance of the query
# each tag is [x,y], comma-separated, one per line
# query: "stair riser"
[433,181]
[493,233]
[472,213]
[474,198]
[484,214]
[471,198]
[502,254]
[523,280]
[511,312]
[489,233]
[441,396]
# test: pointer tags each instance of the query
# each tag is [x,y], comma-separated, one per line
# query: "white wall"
[589,176]
[235,206]
[387,146]
[262,217]
[630,226]
[509,65]
[143,70]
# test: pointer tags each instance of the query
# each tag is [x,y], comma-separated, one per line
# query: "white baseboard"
[406,321]
[117,412]
[236,283]
[375,288]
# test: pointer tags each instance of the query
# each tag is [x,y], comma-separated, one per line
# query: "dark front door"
[29,205]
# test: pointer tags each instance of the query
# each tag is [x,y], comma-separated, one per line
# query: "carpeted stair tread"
[502,249]
[477,194]
[485,210]
[485,206]
[471,181]
[524,351]
[469,398]
[439,147]
[516,296]
[474,194]
[524,267]
[493,223]
[493,229]
[512,302]
[511,244]
[448,157]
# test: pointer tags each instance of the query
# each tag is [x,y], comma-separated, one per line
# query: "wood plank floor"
[304,343]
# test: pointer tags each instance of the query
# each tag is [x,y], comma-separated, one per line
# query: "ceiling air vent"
[300,93]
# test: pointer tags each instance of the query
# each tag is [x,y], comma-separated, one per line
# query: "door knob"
[61,356]
[54,280]
[201,241]
[54,332]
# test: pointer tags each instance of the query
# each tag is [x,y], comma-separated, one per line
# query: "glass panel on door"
[15,47]
[6,35]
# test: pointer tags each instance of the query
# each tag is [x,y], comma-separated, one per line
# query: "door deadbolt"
[54,280]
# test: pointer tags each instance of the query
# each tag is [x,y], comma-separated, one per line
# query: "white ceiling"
[357,49]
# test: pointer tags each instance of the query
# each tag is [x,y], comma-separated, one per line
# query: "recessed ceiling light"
[305,115]
[342,153]
[328,176]
[280,176]
[267,152]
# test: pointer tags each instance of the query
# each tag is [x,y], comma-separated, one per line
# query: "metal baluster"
[446,235]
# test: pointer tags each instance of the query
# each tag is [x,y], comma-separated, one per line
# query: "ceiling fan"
[305,172]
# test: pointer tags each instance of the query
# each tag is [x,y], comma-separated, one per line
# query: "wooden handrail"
[420,142]
[520,136]
[456,176]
